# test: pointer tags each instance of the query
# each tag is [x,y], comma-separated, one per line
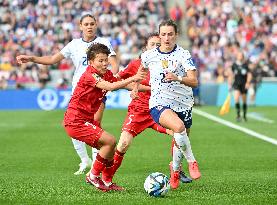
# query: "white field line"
[234,126]
[257,116]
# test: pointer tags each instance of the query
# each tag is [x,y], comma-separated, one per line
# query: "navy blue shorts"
[185,116]
[104,99]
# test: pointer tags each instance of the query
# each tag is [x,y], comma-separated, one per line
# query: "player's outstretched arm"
[105,85]
[45,60]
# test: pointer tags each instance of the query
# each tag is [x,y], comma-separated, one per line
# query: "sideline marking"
[259,117]
[237,127]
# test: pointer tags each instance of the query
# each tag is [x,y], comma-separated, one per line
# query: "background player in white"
[172,76]
[76,50]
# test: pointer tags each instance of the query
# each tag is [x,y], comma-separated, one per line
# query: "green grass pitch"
[37,162]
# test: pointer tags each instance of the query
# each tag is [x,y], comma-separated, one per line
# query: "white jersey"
[175,95]
[76,50]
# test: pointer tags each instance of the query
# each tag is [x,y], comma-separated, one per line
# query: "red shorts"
[85,131]
[135,123]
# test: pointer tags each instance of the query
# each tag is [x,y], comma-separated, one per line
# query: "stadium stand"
[218,29]
[214,29]
[41,27]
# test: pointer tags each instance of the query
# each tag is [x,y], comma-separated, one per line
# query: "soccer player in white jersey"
[76,50]
[172,77]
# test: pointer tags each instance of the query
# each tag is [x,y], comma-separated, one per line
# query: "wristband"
[180,78]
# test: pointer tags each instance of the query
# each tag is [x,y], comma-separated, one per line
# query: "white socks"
[81,150]
[94,153]
[182,140]
[177,158]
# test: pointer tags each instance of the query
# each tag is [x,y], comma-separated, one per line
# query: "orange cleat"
[174,179]
[194,170]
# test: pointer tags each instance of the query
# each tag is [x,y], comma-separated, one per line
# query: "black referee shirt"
[240,73]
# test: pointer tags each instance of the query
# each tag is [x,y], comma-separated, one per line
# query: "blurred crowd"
[44,27]
[217,30]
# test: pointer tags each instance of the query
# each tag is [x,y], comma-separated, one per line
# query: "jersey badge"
[164,64]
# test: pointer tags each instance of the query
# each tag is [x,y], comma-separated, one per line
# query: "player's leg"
[98,119]
[169,119]
[163,130]
[124,143]
[134,124]
[175,122]
[237,103]
[80,148]
[104,161]
[244,105]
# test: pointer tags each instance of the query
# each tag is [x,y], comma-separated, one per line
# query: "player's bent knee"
[179,127]
[123,145]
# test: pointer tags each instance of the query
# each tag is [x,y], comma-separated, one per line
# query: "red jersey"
[142,103]
[87,98]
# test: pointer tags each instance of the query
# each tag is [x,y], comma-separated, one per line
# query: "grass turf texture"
[37,162]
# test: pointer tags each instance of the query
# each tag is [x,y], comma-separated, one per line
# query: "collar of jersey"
[89,41]
[92,69]
[167,52]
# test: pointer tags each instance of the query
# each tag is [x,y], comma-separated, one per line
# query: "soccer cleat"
[98,183]
[115,187]
[183,177]
[82,167]
[174,179]
[194,170]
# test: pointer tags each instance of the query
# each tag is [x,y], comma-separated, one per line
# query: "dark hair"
[95,49]
[87,15]
[168,22]
[150,35]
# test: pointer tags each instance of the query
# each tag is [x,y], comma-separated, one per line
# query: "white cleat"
[83,166]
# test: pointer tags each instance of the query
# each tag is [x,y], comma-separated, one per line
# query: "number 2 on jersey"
[163,80]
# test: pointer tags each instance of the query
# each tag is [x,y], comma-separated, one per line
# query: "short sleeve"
[144,60]
[66,51]
[109,45]
[187,61]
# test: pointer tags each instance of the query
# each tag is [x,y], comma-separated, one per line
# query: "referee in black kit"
[240,77]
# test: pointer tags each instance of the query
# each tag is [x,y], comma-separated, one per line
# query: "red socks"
[99,165]
[118,157]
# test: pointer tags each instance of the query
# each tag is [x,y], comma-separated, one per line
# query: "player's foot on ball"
[115,187]
[174,179]
[83,166]
[184,178]
[98,183]
[194,170]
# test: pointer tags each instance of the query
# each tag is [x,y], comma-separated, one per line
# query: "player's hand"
[23,59]
[247,86]
[169,76]
[140,74]
[134,94]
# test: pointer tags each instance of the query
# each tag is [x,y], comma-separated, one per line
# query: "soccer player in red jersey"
[79,123]
[138,118]
[76,51]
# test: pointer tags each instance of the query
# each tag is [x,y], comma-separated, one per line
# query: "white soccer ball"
[157,184]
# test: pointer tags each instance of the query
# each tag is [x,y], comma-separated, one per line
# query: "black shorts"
[240,87]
